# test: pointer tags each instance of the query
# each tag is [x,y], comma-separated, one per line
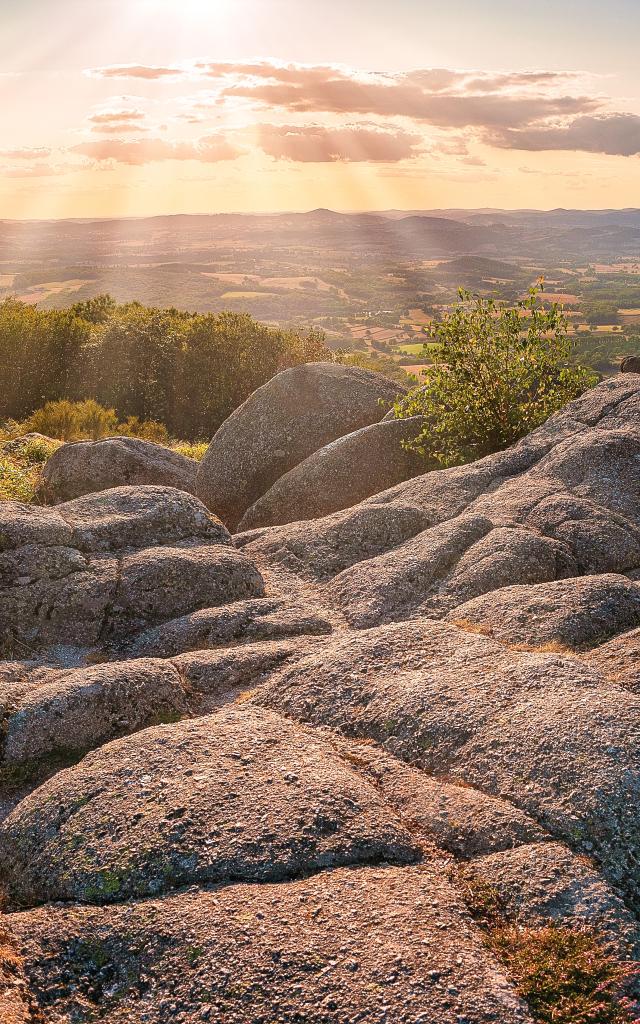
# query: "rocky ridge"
[248,778]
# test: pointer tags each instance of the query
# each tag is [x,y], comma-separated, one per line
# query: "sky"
[143,107]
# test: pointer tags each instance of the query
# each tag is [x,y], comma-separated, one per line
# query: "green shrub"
[17,482]
[55,419]
[37,450]
[497,374]
[73,421]
[148,430]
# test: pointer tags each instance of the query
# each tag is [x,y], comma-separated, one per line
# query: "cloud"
[109,116]
[612,134]
[442,98]
[517,80]
[109,122]
[145,71]
[116,126]
[110,128]
[523,110]
[39,170]
[318,144]
[26,153]
[136,152]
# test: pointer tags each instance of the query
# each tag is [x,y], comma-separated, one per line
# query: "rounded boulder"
[297,412]
[83,467]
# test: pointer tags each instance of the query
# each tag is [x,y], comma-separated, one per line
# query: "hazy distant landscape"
[370,281]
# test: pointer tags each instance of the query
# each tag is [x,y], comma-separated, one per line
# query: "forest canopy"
[188,370]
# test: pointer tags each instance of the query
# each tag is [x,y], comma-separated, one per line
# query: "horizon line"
[346,213]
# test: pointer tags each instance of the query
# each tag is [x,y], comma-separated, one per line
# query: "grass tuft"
[17,481]
[191,451]
[565,975]
[19,471]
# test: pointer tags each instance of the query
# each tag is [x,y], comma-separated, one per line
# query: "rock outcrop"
[241,795]
[574,613]
[273,775]
[363,944]
[280,424]
[83,467]
[107,565]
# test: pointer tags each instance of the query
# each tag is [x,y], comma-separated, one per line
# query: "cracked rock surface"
[254,778]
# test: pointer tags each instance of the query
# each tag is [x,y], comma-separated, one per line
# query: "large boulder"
[341,474]
[563,502]
[280,424]
[630,364]
[57,713]
[82,467]
[111,564]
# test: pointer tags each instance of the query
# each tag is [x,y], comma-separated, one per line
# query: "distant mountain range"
[530,234]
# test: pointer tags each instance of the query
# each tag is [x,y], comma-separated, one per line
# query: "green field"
[414,348]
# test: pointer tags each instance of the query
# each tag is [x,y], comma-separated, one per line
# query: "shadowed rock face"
[299,745]
[83,467]
[340,475]
[280,424]
[630,364]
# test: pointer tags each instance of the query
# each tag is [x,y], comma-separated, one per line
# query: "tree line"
[188,370]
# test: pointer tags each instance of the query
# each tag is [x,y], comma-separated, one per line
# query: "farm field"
[370,283]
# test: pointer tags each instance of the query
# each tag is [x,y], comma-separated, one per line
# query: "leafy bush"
[497,374]
[187,370]
[148,430]
[37,450]
[73,421]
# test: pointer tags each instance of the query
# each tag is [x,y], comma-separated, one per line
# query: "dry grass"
[14,1007]
[191,451]
[20,472]
[548,648]
[472,627]
[551,647]
[565,975]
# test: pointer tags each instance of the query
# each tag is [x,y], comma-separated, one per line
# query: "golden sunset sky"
[141,107]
